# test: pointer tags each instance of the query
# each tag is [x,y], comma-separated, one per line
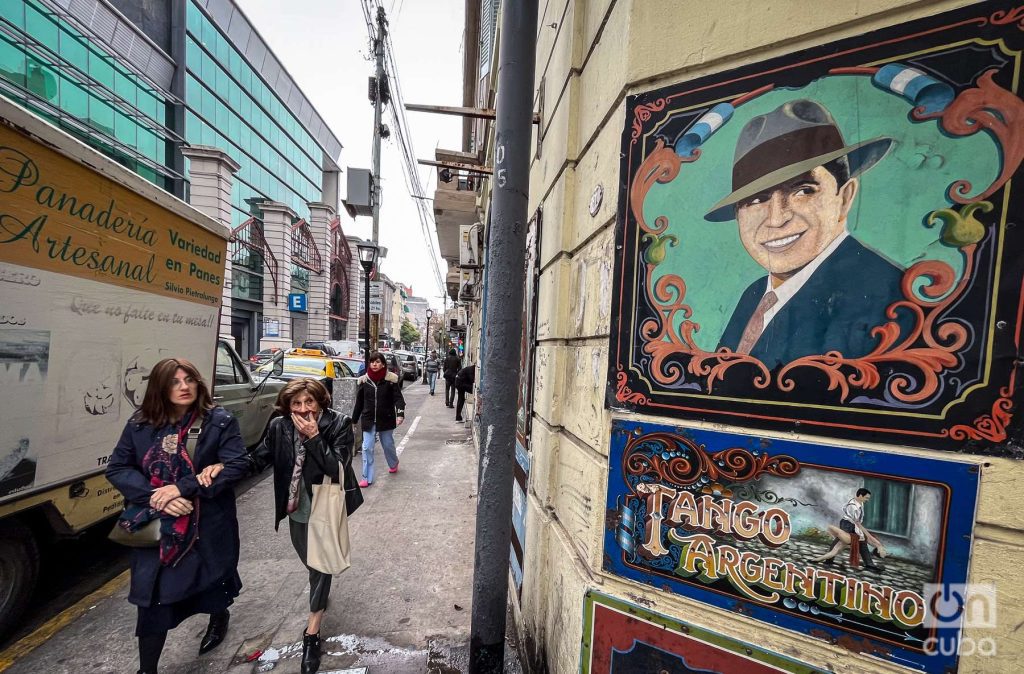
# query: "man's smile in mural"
[785,228]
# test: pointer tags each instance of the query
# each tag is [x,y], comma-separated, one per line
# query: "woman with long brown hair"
[308,444]
[184,479]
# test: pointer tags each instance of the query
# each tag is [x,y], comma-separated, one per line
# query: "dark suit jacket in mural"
[835,309]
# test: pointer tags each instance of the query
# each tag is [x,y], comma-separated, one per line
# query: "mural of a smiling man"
[794,181]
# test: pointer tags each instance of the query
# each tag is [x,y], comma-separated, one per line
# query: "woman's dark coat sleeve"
[125,473]
[263,455]
[330,448]
[357,411]
[399,401]
[231,453]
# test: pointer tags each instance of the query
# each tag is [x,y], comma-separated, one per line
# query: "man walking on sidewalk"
[432,366]
[452,365]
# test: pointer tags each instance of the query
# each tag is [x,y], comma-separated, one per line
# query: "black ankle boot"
[310,653]
[215,632]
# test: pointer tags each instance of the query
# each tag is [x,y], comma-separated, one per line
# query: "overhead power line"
[403,141]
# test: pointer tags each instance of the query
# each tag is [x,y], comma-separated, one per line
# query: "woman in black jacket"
[308,444]
[380,409]
[165,473]
[452,365]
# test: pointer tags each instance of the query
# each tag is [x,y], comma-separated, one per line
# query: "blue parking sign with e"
[297,301]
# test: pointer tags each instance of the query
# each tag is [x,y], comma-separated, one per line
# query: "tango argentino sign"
[810,538]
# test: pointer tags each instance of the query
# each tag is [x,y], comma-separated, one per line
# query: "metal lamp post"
[426,343]
[367,257]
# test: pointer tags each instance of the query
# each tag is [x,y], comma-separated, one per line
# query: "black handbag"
[148,535]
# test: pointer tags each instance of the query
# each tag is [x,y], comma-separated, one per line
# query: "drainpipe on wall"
[499,366]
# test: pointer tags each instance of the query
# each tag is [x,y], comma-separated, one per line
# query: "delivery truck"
[102,274]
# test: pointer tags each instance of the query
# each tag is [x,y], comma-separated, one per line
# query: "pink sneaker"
[364,484]
[395,469]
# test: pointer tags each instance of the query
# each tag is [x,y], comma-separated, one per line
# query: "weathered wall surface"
[590,57]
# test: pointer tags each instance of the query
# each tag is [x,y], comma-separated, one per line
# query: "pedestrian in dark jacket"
[432,366]
[308,444]
[464,381]
[452,365]
[164,473]
[380,409]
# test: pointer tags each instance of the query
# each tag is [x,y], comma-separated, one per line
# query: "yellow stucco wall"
[590,55]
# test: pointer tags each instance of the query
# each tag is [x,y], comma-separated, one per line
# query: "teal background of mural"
[895,195]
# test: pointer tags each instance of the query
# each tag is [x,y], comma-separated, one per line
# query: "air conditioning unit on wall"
[471,246]
[469,287]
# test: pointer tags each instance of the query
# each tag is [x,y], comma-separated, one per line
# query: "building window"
[890,508]
[62,75]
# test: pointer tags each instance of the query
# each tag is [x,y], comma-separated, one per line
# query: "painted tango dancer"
[851,534]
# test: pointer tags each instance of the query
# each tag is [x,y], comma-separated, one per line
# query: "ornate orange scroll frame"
[688,462]
[931,344]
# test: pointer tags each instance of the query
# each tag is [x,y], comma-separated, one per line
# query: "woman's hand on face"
[164,495]
[178,507]
[205,478]
[307,428]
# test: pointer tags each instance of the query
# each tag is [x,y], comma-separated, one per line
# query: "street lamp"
[426,343]
[367,256]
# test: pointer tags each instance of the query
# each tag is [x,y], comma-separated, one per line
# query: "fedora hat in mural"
[787,142]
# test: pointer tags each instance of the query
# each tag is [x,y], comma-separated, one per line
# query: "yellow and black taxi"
[315,364]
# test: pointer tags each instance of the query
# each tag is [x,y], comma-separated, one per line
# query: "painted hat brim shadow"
[861,156]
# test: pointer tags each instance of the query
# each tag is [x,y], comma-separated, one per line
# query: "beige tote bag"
[327,544]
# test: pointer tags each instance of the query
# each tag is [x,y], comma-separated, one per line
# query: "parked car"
[262,357]
[393,366]
[335,347]
[356,364]
[312,363]
[249,399]
[407,361]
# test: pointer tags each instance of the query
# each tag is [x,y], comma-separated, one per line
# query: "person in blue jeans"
[432,366]
[380,409]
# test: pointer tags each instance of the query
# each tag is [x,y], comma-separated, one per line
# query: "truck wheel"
[19,567]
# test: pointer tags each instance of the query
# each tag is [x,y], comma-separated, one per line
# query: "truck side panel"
[99,280]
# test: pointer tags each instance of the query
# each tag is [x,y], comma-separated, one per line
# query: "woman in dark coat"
[163,472]
[452,365]
[380,409]
[308,444]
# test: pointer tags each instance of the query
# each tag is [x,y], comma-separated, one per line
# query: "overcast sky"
[325,46]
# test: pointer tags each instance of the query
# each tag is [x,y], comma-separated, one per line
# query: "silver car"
[250,401]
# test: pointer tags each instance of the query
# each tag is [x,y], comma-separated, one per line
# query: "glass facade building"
[229,106]
[138,81]
[51,67]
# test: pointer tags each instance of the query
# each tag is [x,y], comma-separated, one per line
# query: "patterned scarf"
[165,463]
[296,482]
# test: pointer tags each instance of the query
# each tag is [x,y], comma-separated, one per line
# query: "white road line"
[408,434]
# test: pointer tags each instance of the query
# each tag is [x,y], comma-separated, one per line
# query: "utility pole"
[381,98]
[499,374]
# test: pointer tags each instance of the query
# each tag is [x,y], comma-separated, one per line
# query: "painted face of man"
[786,227]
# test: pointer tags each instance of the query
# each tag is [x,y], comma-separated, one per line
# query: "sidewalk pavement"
[402,608]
